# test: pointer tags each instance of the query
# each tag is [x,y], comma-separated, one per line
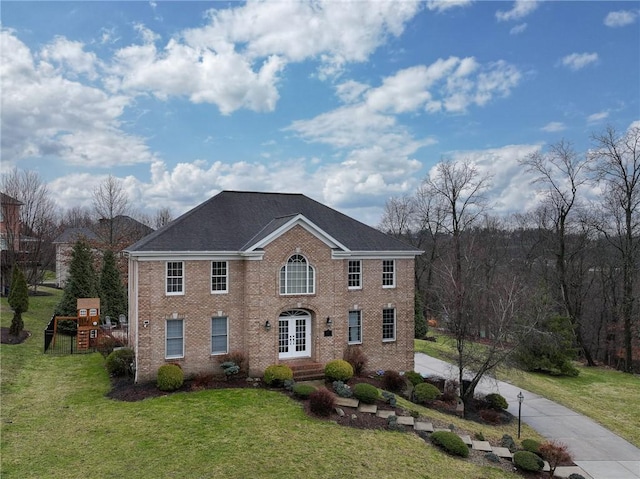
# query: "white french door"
[294,334]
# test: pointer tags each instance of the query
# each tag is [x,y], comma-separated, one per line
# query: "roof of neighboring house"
[71,235]
[8,200]
[236,221]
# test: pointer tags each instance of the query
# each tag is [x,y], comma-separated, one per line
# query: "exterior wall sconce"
[267,326]
[329,322]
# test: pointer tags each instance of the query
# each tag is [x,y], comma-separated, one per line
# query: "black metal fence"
[62,343]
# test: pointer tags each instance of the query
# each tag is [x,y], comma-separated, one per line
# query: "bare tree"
[77,217]
[162,217]
[109,202]
[617,166]
[563,172]
[37,222]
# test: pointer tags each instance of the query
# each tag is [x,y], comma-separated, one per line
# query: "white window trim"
[166,323]
[211,335]
[393,283]
[395,326]
[221,291]
[285,267]
[349,327]
[166,279]
[359,274]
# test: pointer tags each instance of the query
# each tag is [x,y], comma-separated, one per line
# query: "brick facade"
[254,297]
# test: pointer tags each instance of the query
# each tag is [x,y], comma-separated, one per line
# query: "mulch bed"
[11,339]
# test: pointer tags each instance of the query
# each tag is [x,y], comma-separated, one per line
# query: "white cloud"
[554,127]
[518,29]
[521,8]
[620,18]
[46,114]
[442,5]
[351,91]
[577,61]
[597,117]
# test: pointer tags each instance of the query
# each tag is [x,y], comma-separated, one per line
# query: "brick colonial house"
[279,277]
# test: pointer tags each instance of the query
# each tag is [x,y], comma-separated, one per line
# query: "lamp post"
[520,399]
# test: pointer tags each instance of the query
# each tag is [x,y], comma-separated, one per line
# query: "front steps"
[305,370]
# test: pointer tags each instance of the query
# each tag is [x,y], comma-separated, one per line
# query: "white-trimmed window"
[219,335]
[388,273]
[82,313]
[389,324]
[297,276]
[219,277]
[355,327]
[175,277]
[174,334]
[355,274]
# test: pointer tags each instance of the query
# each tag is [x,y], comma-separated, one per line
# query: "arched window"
[297,276]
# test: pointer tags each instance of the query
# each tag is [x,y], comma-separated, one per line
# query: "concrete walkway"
[598,452]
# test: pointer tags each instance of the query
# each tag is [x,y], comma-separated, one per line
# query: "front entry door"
[294,334]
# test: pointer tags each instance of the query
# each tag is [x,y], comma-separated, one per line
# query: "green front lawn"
[57,423]
[607,396]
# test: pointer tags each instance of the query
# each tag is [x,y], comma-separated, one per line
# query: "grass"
[57,423]
[607,396]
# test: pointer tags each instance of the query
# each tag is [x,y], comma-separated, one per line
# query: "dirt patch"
[11,339]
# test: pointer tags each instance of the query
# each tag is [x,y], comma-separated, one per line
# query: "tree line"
[508,279]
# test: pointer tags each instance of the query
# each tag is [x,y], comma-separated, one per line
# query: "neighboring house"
[122,231]
[64,245]
[9,238]
[278,277]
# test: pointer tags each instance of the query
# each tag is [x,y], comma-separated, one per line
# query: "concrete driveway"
[596,450]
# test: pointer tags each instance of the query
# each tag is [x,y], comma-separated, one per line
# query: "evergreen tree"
[18,300]
[82,281]
[113,297]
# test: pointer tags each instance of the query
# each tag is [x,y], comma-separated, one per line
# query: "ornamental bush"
[496,401]
[425,392]
[414,377]
[531,445]
[341,389]
[528,461]
[450,442]
[338,370]
[366,393]
[276,374]
[303,390]
[356,357]
[120,362]
[393,381]
[322,402]
[170,377]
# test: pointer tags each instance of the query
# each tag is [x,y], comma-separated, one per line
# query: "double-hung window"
[175,277]
[219,277]
[388,273]
[174,334]
[297,276]
[219,335]
[355,327]
[355,274]
[389,324]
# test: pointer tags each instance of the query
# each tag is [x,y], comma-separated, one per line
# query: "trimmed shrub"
[528,461]
[288,384]
[276,374]
[230,368]
[322,402]
[342,389]
[450,442]
[170,377]
[303,390]
[389,398]
[425,392]
[492,457]
[496,401]
[366,393]
[531,445]
[392,381]
[508,442]
[414,377]
[338,370]
[120,362]
[356,357]
[236,357]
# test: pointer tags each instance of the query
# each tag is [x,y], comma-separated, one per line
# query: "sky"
[350,103]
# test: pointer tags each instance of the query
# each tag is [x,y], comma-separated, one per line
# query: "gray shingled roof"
[71,235]
[233,221]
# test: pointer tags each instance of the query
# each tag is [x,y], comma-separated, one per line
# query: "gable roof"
[72,235]
[236,221]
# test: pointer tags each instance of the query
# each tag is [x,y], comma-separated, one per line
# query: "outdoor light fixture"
[329,322]
[267,326]
[520,399]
